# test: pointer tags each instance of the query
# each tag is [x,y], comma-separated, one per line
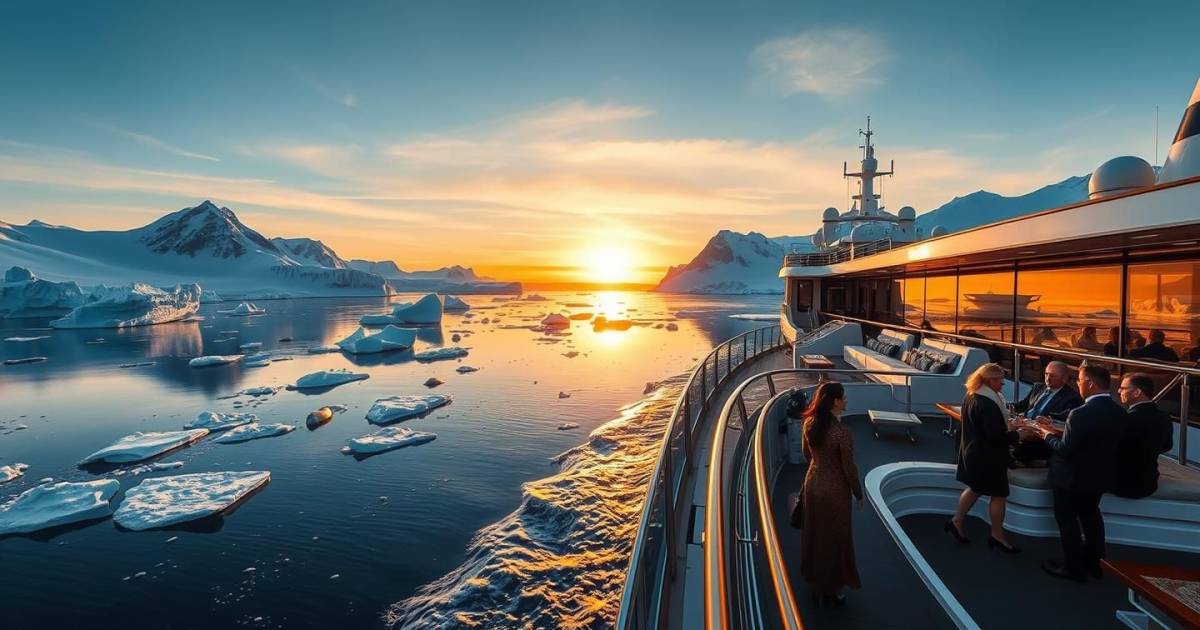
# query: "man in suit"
[1149,435]
[1052,399]
[1157,349]
[1082,469]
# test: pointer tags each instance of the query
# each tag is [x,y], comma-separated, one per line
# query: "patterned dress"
[827,540]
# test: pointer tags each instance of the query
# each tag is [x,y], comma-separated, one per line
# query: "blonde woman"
[983,454]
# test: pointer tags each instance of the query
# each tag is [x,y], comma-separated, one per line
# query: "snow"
[253,431]
[756,317]
[245,308]
[438,354]
[328,378]
[387,439]
[25,339]
[135,304]
[8,473]
[50,505]
[463,369]
[555,320]
[397,408]
[143,445]
[217,421]
[164,501]
[215,359]
[362,341]
[453,303]
[23,294]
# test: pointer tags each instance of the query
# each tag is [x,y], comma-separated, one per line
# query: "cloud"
[831,63]
[150,141]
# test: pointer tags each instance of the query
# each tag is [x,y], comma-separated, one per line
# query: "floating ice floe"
[265,390]
[261,359]
[217,421]
[324,349]
[363,341]
[134,304]
[564,395]
[567,426]
[425,311]
[145,468]
[387,439]
[245,308]
[164,501]
[328,378]
[571,354]
[581,316]
[433,381]
[454,303]
[215,359]
[50,505]
[397,408]
[8,473]
[439,354]
[143,445]
[602,323]
[26,339]
[23,295]
[463,369]
[253,345]
[555,320]
[253,431]
[138,364]
[756,317]
[533,297]
[24,360]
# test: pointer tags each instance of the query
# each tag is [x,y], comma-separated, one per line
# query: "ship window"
[804,295]
[1162,297]
[914,300]
[1190,125]
[1073,309]
[941,297]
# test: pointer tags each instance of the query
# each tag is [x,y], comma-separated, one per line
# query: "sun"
[609,264]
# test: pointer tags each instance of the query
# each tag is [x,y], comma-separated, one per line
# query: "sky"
[561,140]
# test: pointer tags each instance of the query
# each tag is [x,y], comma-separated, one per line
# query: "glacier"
[23,294]
[135,304]
[386,439]
[363,341]
[143,445]
[217,421]
[397,408]
[165,501]
[254,431]
[328,378]
[54,504]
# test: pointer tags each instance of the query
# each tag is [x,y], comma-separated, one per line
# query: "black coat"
[1084,459]
[1148,435]
[1064,400]
[983,447]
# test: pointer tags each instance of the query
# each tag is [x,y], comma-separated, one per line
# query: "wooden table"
[1166,597]
[954,412]
[818,361]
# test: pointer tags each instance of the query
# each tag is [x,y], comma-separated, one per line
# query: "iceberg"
[244,308]
[253,431]
[452,303]
[397,408]
[50,505]
[24,295]
[217,421]
[363,341]
[439,354]
[216,359]
[555,320]
[8,473]
[135,304]
[144,445]
[165,501]
[328,378]
[427,310]
[208,296]
[387,439]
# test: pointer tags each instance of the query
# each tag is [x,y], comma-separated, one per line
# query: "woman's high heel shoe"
[952,529]
[994,544]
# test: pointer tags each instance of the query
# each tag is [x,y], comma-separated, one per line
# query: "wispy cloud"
[832,63]
[152,142]
[341,95]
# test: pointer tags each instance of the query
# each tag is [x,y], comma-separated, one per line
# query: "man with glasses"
[1147,437]
[1050,400]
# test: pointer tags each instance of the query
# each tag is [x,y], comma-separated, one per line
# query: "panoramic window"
[914,300]
[1076,309]
[940,299]
[985,305]
[1162,321]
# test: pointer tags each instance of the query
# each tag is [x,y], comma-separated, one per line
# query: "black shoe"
[1006,548]
[953,530]
[1059,571]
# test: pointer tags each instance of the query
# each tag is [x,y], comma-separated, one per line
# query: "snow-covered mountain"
[733,262]
[307,251]
[389,270]
[384,268]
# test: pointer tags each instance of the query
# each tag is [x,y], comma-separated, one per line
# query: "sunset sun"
[609,264]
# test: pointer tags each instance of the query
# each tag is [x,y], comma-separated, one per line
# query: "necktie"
[1041,403]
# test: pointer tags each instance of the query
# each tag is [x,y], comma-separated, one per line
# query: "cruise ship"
[1090,281]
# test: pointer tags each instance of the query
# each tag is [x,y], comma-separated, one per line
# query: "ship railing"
[1181,374]
[842,253]
[645,600]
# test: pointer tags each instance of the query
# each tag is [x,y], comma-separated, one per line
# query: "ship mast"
[868,199]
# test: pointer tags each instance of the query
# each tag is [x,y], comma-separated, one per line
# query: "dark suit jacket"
[1155,351]
[983,447]
[1065,399]
[1084,459]
[1148,435]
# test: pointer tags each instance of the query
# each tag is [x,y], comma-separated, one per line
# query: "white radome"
[1118,175]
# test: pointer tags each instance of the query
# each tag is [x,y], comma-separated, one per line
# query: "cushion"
[889,349]
[908,355]
[941,367]
[872,344]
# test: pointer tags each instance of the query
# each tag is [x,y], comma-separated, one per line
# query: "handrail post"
[728,359]
[1185,394]
[687,426]
[1016,395]
[703,384]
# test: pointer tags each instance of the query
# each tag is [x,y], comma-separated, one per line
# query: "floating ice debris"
[257,360]
[756,317]
[571,354]
[194,318]
[172,539]
[229,332]
[217,421]
[324,349]
[328,378]
[214,359]
[335,576]
[363,341]
[602,323]
[245,308]
[284,339]
[46,480]
[563,395]
[253,345]
[397,408]
[433,381]
[650,387]
[164,501]
[387,439]
[24,295]
[438,354]
[456,337]
[24,360]
[555,320]
[24,339]
[139,364]
[145,468]
[132,305]
[567,426]
[672,326]
[318,418]
[254,431]
[8,473]
[249,569]
[265,390]
[452,303]
[57,504]
[581,316]
[143,445]
[535,298]
[95,341]
[463,369]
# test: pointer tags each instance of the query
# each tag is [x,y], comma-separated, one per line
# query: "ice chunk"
[217,421]
[50,505]
[463,369]
[253,431]
[555,320]
[265,390]
[23,295]
[132,305]
[581,316]
[215,359]
[453,303]
[363,341]
[328,378]
[387,439]
[433,381]
[564,395]
[567,426]
[245,308]
[324,349]
[533,297]
[397,408]
[164,501]
[427,310]
[24,339]
[261,359]
[8,473]
[438,354]
[139,446]
[602,323]
[138,364]
[253,345]
[24,360]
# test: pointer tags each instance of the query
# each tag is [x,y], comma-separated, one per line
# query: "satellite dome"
[938,231]
[1118,175]
[818,239]
[907,213]
[831,214]
[867,232]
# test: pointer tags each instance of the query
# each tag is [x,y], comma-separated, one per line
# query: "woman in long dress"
[827,542]
[983,454]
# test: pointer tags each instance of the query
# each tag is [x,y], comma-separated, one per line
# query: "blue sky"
[523,130]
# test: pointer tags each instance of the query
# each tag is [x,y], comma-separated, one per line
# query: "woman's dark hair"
[819,415]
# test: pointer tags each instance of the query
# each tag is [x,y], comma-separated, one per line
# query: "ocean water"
[502,521]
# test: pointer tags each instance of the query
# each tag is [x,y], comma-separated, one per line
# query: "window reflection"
[914,300]
[1163,324]
[940,299]
[985,305]
[1076,309]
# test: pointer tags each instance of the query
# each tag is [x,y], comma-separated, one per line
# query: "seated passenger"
[1113,345]
[1045,337]
[1087,340]
[1052,399]
[1194,353]
[1147,436]
[1157,349]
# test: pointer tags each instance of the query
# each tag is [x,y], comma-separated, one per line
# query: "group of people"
[1103,447]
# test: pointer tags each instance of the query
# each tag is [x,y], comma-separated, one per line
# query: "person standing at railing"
[827,543]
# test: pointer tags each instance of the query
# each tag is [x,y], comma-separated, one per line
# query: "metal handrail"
[642,608]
